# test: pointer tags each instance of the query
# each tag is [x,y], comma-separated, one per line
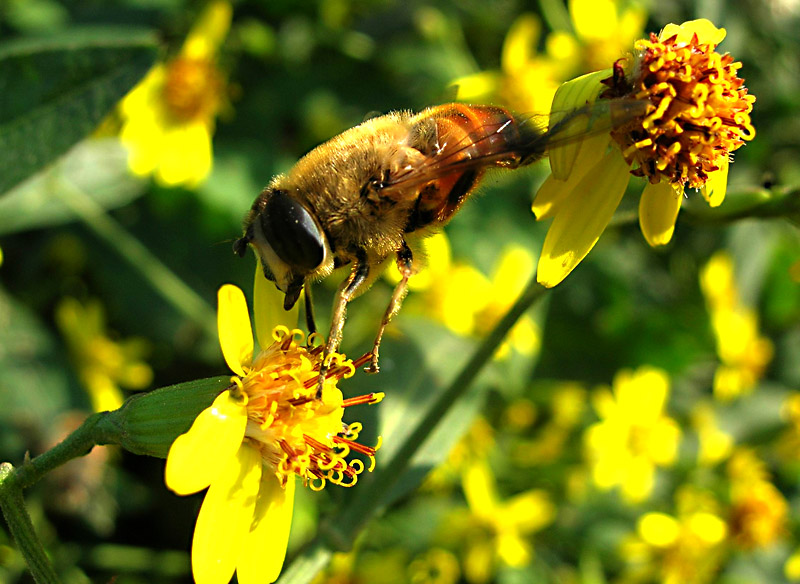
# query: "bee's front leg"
[344,293]
[404,261]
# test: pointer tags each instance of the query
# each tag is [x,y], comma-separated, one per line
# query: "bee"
[373,192]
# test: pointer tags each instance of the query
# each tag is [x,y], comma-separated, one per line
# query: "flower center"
[701,110]
[193,88]
[294,431]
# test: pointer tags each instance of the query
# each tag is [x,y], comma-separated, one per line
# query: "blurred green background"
[108,282]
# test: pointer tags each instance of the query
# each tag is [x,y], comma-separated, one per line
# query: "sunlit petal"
[593,19]
[717,184]
[197,457]
[704,29]
[570,96]
[553,191]
[658,210]
[521,42]
[268,308]
[209,31]
[186,154]
[479,489]
[233,324]
[264,550]
[582,219]
[225,518]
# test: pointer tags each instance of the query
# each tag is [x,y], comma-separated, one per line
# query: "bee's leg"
[310,324]
[343,295]
[404,259]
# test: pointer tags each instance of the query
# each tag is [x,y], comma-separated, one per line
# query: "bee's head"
[287,239]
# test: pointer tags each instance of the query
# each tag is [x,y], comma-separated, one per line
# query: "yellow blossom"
[697,112]
[759,512]
[504,526]
[686,548]
[104,366]
[476,313]
[528,79]
[263,431]
[744,353]
[633,436]
[168,118]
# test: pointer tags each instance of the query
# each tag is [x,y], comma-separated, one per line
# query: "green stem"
[22,530]
[14,480]
[152,270]
[342,529]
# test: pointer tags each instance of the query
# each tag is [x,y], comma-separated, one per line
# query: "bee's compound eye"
[292,232]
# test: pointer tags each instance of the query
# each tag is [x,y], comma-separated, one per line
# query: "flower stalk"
[14,480]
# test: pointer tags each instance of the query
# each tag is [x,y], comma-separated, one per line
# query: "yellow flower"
[250,443]
[697,114]
[759,512]
[683,549]
[475,313]
[104,366]
[634,436]
[505,525]
[528,79]
[168,118]
[743,352]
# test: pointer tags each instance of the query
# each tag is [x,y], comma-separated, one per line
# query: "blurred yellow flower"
[683,549]
[633,436]
[470,304]
[759,513]
[527,81]
[504,526]
[168,118]
[250,443]
[743,352]
[104,365]
[697,113]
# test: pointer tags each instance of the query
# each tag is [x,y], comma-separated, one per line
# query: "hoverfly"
[371,192]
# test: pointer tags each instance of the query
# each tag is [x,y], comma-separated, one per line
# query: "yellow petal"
[553,191]
[186,154]
[197,457]
[593,19]
[582,218]
[268,309]
[209,31]
[659,529]
[658,210]
[479,489]
[521,42]
[233,325]
[716,185]
[264,550]
[225,518]
[704,29]
[572,95]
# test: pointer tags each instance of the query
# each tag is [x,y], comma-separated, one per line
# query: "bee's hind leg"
[344,293]
[404,261]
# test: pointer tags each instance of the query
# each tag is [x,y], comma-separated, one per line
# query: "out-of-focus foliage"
[642,424]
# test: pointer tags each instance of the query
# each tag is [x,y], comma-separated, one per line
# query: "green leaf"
[96,167]
[54,91]
[34,386]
